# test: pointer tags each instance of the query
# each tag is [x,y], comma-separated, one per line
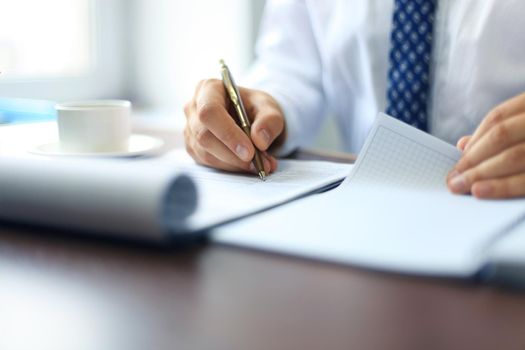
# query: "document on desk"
[152,199]
[223,197]
[392,213]
[114,197]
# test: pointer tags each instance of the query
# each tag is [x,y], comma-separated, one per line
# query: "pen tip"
[262,175]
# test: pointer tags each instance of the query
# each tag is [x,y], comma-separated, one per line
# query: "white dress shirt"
[320,57]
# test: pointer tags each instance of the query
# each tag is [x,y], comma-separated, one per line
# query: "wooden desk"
[59,292]
[62,292]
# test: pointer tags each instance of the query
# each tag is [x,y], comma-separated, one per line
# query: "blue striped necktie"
[409,61]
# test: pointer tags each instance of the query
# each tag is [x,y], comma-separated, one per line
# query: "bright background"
[152,52]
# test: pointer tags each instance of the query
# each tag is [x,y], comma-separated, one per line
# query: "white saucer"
[139,145]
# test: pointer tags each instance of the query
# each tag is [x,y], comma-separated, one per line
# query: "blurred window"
[63,49]
[45,38]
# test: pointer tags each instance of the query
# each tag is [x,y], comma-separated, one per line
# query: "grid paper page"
[399,155]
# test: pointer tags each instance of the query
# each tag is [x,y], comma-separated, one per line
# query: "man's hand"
[493,162]
[213,137]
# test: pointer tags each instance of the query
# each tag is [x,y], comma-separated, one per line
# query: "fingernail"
[265,136]
[483,190]
[242,152]
[458,182]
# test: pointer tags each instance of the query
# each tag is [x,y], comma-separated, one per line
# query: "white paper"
[146,198]
[368,227]
[104,196]
[227,196]
[509,250]
[505,257]
[392,213]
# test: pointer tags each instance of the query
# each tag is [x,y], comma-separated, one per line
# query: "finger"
[462,142]
[189,143]
[263,110]
[189,107]
[505,110]
[508,187]
[268,121]
[273,163]
[203,157]
[210,143]
[206,157]
[211,112]
[267,126]
[507,163]
[222,153]
[271,160]
[500,137]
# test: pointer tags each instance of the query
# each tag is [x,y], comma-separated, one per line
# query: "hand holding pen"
[214,138]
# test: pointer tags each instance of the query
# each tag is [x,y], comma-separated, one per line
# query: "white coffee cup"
[98,126]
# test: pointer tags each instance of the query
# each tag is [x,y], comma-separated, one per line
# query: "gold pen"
[235,97]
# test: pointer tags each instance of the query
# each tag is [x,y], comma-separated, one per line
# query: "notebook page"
[392,213]
[397,155]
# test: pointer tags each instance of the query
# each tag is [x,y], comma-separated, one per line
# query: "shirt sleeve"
[288,67]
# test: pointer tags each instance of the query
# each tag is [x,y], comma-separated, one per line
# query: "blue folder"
[18,110]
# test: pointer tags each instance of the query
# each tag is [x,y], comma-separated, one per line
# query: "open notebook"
[152,199]
[392,213]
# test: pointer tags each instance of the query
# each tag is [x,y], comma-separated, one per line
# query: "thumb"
[268,124]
